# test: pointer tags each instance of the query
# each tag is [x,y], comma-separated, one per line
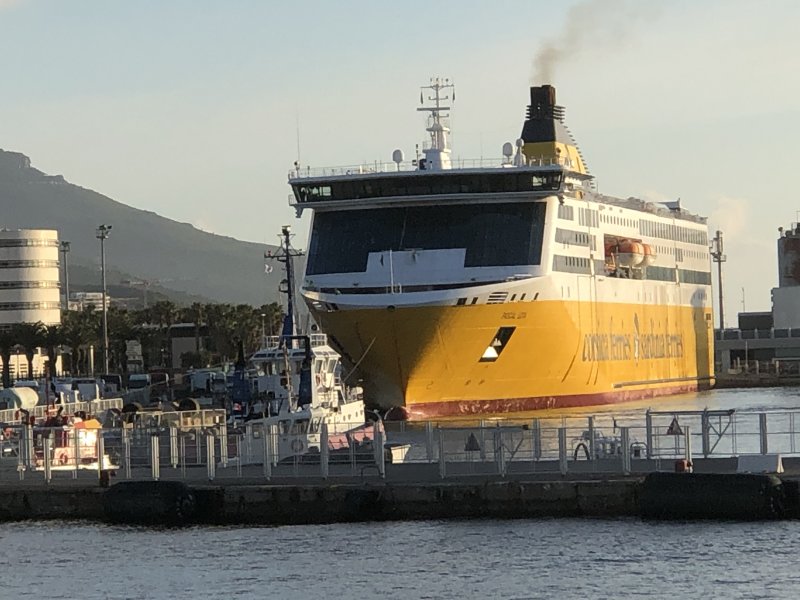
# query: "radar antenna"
[437,154]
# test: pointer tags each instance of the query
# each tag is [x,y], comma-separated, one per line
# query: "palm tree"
[30,336]
[53,336]
[7,344]
[80,331]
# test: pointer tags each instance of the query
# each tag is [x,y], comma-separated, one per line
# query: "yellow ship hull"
[428,360]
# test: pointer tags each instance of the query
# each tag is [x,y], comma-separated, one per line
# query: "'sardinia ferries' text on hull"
[461,288]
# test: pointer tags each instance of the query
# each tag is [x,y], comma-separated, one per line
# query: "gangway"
[714,424]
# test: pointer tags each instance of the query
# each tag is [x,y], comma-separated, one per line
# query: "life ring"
[297,445]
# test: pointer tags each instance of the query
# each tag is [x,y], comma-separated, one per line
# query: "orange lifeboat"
[649,256]
[630,253]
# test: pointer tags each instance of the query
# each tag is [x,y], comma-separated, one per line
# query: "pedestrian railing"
[208,448]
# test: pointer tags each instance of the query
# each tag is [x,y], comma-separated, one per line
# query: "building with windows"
[29,286]
[29,277]
[774,336]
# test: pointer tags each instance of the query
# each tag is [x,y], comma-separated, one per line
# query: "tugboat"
[301,388]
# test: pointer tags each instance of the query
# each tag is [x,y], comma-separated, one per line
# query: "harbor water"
[568,558]
[531,558]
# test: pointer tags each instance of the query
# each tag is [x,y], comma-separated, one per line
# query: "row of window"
[579,238]
[22,264]
[565,211]
[432,183]
[667,231]
[29,305]
[588,217]
[679,253]
[615,220]
[670,231]
[19,243]
[576,264]
[490,234]
[27,285]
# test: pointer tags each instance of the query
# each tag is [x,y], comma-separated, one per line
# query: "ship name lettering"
[602,347]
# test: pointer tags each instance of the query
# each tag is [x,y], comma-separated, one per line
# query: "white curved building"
[29,276]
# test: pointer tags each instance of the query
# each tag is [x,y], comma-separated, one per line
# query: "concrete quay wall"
[321,503]
[272,505]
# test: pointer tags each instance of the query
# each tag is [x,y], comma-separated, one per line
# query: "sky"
[196,109]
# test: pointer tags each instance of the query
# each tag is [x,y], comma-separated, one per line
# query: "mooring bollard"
[324,452]
[624,436]
[562,450]
[47,445]
[154,457]
[211,460]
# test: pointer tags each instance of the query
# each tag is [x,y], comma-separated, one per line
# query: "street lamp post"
[102,235]
[263,330]
[65,251]
[718,257]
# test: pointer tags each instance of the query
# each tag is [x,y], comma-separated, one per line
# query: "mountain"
[141,246]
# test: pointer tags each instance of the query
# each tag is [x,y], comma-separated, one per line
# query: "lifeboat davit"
[649,256]
[630,254]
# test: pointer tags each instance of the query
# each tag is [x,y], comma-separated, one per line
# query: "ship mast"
[437,155]
[286,254]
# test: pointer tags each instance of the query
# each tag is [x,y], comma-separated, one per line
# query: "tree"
[53,336]
[30,336]
[7,344]
[80,331]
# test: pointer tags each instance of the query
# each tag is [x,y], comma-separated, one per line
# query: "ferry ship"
[459,287]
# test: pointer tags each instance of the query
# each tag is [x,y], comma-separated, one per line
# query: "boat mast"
[286,255]
[437,155]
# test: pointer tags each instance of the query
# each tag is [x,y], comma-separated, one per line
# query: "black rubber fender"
[149,503]
[740,496]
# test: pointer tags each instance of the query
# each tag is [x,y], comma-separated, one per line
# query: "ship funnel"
[546,139]
[543,104]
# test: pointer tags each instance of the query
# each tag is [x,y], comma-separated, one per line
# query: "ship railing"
[42,411]
[413,165]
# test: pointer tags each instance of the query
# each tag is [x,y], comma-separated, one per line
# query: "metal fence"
[202,446]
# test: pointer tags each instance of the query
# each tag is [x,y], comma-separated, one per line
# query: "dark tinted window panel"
[491,234]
